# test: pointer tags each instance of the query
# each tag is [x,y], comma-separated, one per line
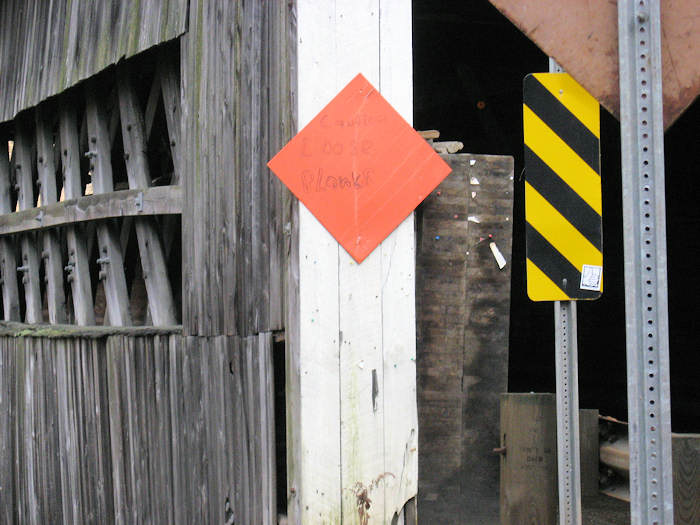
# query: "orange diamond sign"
[359,168]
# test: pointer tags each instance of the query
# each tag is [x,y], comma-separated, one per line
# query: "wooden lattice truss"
[66,181]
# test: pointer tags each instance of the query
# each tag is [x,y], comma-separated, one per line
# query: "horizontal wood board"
[463,309]
[158,200]
[47,47]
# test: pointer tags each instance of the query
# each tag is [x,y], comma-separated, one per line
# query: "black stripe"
[555,266]
[560,120]
[566,201]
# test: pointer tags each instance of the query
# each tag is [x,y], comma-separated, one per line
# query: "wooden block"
[686,479]
[590,449]
[529,464]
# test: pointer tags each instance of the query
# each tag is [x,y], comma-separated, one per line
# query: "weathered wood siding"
[238,61]
[47,47]
[462,308]
[134,426]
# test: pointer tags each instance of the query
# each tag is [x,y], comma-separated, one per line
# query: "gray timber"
[47,47]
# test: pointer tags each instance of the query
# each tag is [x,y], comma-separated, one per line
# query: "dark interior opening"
[278,365]
[469,63]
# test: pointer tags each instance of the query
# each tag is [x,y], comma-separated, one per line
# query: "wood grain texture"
[116,427]
[161,304]
[110,250]
[234,103]
[51,254]
[686,479]
[159,200]
[463,308]
[8,258]
[355,331]
[77,267]
[529,467]
[25,179]
[47,48]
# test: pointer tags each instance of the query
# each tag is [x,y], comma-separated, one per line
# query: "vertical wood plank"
[315,486]
[52,448]
[177,348]
[259,293]
[400,447]
[29,466]
[53,261]
[162,431]
[8,258]
[8,511]
[266,408]
[160,296]
[78,266]
[20,422]
[192,243]
[242,469]
[114,371]
[213,370]
[279,132]
[68,432]
[98,357]
[24,167]
[110,257]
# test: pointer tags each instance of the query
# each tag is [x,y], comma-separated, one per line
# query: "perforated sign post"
[646,308]
[563,212]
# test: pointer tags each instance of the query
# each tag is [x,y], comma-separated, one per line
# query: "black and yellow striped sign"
[563,205]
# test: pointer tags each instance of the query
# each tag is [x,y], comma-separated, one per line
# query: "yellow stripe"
[562,159]
[540,287]
[574,97]
[558,231]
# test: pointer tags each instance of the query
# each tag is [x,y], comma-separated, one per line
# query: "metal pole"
[646,308]
[568,440]
[568,444]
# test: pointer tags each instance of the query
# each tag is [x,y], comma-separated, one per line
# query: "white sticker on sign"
[591,277]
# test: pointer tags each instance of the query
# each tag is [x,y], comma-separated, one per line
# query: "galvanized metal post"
[646,308]
[568,440]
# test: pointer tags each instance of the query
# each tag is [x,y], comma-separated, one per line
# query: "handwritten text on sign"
[359,168]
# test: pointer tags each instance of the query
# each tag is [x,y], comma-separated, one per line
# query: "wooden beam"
[78,266]
[159,200]
[111,259]
[52,254]
[169,81]
[160,295]
[354,433]
[24,168]
[169,74]
[8,259]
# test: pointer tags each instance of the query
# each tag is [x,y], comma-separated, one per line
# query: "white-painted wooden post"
[353,426]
